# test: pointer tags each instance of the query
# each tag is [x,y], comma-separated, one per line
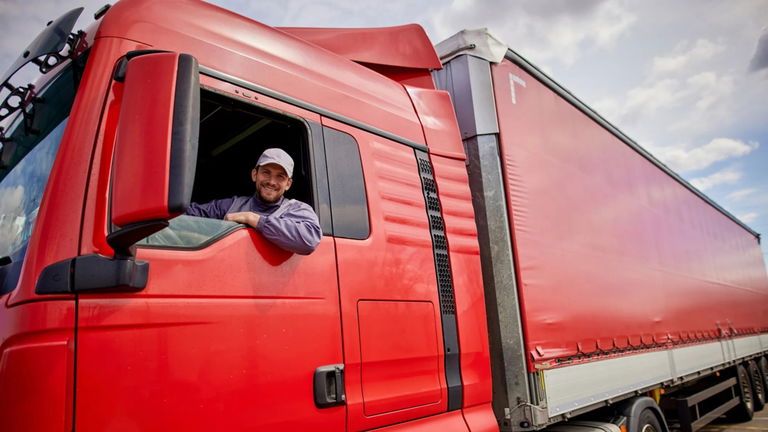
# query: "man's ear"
[288,185]
[254,173]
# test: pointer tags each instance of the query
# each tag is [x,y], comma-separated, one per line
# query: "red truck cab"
[495,255]
[205,324]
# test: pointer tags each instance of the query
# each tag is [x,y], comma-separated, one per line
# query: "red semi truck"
[495,254]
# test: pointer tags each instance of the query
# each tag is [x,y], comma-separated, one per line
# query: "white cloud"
[559,30]
[719,149]
[652,97]
[749,217]
[726,176]
[709,88]
[741,193]
[688,100]
[686,56]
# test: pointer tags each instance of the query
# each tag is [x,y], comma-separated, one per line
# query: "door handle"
[329,386]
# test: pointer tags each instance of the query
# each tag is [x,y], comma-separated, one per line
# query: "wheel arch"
[632,408]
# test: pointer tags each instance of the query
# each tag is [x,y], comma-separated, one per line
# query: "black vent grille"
[439,240]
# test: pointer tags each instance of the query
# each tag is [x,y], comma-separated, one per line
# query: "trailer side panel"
[614,255]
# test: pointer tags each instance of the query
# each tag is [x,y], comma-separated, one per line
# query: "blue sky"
[685,79]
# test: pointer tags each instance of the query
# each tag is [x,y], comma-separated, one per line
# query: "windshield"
[28,153]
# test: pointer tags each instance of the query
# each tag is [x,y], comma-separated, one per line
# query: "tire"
[648,422]
[758,385]
[762,364]
[745,410]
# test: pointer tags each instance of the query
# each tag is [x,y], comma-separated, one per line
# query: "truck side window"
[27,159]
[233,134]
[349,204]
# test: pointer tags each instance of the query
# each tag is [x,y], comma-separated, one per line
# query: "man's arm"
[215,209]
[296,230]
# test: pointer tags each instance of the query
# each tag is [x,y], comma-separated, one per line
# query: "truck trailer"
[495,254]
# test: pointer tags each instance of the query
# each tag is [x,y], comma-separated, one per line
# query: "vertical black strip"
[320,180]
[75,344]
[185,134]
[444,281]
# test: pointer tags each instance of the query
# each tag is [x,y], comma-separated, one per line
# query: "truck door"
[393,342]
[230,330]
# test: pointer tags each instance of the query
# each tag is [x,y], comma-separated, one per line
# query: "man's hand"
[248,218]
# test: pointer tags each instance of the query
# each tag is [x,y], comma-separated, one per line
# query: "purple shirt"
[290,224]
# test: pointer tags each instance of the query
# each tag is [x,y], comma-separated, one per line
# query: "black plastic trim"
[10,269]
[328,386]
[445,288]
[320,177]
[50,41]
[96,272]
[185,134]
[102,10]
[123,239]
[122,64]
[56,278]
[311,107]
[561,91]
[88,273]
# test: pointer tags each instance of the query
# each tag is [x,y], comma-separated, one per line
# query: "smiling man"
[290,224]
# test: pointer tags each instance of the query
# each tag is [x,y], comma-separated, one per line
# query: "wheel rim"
[648,428]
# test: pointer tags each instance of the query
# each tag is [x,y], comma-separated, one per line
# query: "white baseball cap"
[277,156]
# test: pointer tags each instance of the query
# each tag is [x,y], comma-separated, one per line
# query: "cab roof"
[282,60]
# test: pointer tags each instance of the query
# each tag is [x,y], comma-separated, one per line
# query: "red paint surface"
[611,251]
[450,421]
[405,46]
[399,355]
[461,232]
[480,418]
[394,264]
[438,118]
[36,366]
[143,148]
[260,54]
[227,337]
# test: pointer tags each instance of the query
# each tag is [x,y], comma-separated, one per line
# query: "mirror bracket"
[123,239]
[93,273]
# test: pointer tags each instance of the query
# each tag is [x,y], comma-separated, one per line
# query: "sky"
[686,79]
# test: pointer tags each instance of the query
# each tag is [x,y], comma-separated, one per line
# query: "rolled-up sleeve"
[296,230]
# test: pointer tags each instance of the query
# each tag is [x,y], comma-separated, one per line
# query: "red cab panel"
[400,355]
[223,338]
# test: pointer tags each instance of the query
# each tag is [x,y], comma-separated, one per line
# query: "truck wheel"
[746,408]
[648,422]
[762,364]
[758,385]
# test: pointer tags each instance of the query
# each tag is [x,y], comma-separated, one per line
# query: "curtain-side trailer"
[607,275]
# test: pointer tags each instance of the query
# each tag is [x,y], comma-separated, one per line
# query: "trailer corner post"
[468,80]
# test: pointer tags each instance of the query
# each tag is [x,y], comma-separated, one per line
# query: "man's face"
[271,181]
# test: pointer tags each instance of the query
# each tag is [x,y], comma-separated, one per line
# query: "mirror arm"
[124,239]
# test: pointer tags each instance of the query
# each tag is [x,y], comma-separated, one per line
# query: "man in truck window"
[290,224]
